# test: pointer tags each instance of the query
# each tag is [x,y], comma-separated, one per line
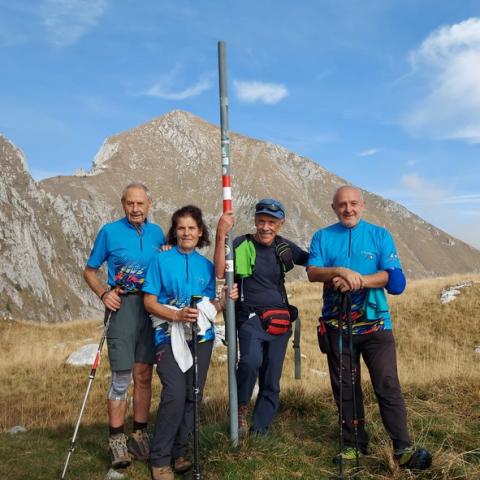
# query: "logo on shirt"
[393,256]
[368,255]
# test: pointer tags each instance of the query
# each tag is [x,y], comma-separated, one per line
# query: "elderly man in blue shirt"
[127,245]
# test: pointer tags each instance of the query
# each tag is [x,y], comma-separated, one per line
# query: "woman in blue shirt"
[173,278]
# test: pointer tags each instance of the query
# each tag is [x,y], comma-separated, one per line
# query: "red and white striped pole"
[230,330]
[227,189]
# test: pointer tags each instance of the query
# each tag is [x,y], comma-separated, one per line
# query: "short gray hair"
[136,184]
[343,187]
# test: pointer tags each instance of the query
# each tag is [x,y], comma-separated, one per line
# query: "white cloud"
[369,152]
[422,190]
[66,21]
[253,92]
[466,199]
[414,191]
[448,61]
[162,89]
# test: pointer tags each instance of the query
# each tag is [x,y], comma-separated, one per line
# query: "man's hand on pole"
[222,303]
[224,226]
[226,223]
[352,278]
[340,284]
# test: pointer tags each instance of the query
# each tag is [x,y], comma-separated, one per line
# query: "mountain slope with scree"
[48,227]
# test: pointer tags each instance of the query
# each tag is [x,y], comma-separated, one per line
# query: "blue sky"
[385,93]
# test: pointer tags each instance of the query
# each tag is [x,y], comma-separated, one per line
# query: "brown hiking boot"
[243,420]
[162,473]
[118,448]
[139,444]
[182,465]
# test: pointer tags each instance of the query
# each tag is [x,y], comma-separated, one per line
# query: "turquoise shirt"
[366,249]
[174,277]
[127,251]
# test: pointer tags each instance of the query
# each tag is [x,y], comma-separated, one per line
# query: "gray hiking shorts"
[130,335]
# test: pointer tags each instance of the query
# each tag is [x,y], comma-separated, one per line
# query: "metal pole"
[91,378]
[353,373]
[196,475]
[230,330]
[340,381]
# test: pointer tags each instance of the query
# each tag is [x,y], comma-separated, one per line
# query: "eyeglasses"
[271,207]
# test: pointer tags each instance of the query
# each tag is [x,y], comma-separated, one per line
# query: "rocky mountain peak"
[47,228]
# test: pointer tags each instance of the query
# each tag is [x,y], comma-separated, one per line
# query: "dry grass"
[438,368]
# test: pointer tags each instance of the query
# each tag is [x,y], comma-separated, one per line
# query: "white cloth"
[207,313]
[180,349]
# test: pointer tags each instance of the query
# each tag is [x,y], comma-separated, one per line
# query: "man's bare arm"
[353,280]
[327,274]
[110,298]
[225,224]
[375,280]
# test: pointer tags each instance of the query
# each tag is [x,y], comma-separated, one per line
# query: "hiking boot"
[419,459]
[347,455]
[162,473]
[182,465]
[118,448]
[243,420]
[139,444]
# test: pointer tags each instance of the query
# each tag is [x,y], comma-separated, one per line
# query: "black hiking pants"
[174,423]
[378,352]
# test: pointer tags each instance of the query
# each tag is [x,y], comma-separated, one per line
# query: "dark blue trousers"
[378,352]
[261,356]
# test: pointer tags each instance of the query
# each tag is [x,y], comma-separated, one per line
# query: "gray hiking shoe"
[139,444]
[243,420]
[118,448]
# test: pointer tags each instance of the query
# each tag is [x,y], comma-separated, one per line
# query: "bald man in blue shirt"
[361,258]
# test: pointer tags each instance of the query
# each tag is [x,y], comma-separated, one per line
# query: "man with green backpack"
[262,313]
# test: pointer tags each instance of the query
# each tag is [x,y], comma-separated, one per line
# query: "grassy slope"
[438,369]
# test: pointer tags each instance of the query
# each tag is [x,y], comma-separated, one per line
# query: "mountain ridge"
[55,220]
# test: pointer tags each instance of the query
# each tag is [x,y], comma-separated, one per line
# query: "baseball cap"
[272,207]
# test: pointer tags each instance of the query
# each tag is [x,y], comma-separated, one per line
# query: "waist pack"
[322,336]
[276,321]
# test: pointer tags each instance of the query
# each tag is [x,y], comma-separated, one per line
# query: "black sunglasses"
[271,207]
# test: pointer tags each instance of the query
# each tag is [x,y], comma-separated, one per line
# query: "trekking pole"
[296,350]
[348,311]
[230,329]
[340,380]
[196,475]
[91,378]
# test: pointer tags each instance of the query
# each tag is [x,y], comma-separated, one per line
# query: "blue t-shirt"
[127,252]
[174,277]
[366,249]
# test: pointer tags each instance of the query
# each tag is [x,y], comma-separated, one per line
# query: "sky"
[384,93]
